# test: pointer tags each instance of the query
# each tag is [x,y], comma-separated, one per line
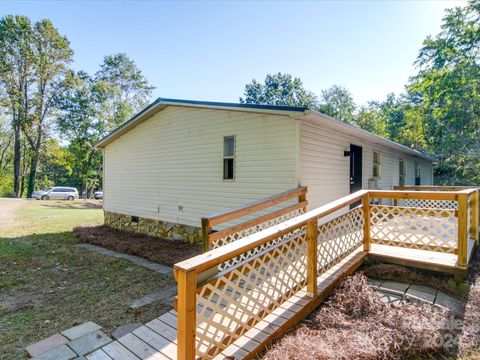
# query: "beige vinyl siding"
[326,171]
[175,159]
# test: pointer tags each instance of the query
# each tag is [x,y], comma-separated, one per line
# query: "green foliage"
[124,89]
[279,89]
[446,92]
[338,103]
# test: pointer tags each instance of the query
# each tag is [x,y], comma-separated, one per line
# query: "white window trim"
[379,164]
[233,157]
[405,170]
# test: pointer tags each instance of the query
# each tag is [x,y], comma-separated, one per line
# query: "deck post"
[474,202]
[366,225]
[462,229]
[303,197]
[312,236]
[206,231]
[186,305]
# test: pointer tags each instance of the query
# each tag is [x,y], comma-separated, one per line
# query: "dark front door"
[355,168]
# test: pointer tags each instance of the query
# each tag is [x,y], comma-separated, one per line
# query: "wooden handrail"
[432,188]
[245,225]
[418,195]
[235,213]
[215,257]
[208,236]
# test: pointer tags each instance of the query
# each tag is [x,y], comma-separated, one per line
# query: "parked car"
[56,193]
[98,195]
[39,193]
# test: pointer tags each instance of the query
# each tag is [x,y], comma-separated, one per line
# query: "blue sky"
[210,50]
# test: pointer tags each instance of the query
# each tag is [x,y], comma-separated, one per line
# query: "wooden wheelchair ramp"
[262,276]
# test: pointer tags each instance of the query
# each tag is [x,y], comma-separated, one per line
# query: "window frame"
[418,179]
[402,176]
[377,165]
[229,157]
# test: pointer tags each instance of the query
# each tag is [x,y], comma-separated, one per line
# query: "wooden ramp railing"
[227,291]
[214,239]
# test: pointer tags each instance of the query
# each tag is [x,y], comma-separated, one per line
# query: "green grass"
[48,283]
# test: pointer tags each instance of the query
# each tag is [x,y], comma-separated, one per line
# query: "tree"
[372,119]
[52,55]
[16,62]
[279,89]
[124,88]
[446,91]
[338,103]
[79,122]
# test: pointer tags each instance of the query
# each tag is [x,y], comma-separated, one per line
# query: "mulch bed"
[355,324]
[162,251]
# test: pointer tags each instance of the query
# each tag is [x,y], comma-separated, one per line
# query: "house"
[179,160]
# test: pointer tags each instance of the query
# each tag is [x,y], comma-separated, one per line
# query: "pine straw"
[162,251]
[469,342]
[355,324]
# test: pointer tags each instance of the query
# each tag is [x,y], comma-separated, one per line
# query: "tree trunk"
[16,161]
[32,175]
[34,162]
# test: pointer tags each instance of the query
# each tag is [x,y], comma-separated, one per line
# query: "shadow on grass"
[70,205]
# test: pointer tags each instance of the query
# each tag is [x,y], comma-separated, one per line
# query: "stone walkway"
[162,269]
[394,292]
[70,344]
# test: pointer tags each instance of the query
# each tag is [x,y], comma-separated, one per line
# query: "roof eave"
[373,137]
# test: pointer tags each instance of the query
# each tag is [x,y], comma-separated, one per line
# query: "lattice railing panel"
[232,303]
[256,228]
[425,229]
[252,230]
[428,204]
[338,238]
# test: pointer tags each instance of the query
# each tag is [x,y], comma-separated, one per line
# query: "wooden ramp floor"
[424,259]
[157,339]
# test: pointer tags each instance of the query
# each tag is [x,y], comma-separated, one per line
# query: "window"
[377,164]
[402,170]
[418,174]
[228,157]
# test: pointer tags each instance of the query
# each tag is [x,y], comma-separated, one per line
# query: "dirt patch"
[8,208]
[162,251]
[355,324]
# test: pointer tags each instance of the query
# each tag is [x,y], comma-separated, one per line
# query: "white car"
[98,195]
[56,193]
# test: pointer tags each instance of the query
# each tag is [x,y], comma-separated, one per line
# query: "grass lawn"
[48,284]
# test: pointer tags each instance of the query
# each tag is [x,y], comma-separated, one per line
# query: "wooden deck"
[423,259]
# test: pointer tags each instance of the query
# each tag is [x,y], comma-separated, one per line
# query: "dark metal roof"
[234,105]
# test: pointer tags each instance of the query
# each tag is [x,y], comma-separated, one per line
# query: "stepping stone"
[62,352]
[374,283]
[157,296]
[394,287]
[89,342]
[421,293]
[124,330]
[46,345]
[161,269]
[449,302]
[80,330]
[390,298]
